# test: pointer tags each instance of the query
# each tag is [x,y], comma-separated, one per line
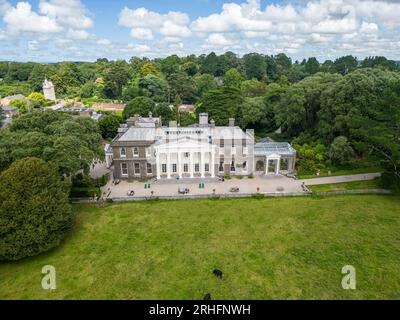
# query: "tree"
[180,83]
[210,64]
[311,66]
[138,106]
[67,77]
[20,104]
[340,150]
[253,88]
[45,217]
[382,62]
[149,68]
[115,77]
[252,111]
[344,65]
[221,104]
[233,78]
[36,100]
[170,65]
[109,125]
[291,112]
[153,87]
[204,83]
[88,90]
[37,76]
[255,66]
[70,143]
[164,111]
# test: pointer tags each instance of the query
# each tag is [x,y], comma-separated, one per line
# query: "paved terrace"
[170,188]
[266,185]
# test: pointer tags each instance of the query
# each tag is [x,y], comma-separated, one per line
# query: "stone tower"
[48,90]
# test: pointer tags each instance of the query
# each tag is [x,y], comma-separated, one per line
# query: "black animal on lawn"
[218,273]
[207,297]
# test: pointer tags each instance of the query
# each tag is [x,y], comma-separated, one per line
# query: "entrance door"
[272,166]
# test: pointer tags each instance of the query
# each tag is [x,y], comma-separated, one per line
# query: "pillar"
[278,164]
[158,165]
[191,164]
[179,165]
[168,165]
[202,164]
[212,164]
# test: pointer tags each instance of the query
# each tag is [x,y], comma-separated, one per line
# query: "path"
[340,179]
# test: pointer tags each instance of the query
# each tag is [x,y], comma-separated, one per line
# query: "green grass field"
[283,248]
[353,185]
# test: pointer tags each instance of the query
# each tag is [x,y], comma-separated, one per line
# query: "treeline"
[162,79]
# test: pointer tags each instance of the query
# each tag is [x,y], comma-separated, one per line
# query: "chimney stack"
[231,122]
[212,123]
[203,119]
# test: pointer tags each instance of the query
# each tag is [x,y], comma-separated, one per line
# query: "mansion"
[144,148]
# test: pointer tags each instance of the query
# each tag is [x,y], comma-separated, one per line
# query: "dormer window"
[123,152]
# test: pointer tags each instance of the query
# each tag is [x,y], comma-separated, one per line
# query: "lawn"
[275,248]
[353,185]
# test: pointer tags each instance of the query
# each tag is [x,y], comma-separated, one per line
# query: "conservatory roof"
[273,148]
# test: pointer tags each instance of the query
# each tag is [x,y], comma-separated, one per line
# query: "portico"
[185,158]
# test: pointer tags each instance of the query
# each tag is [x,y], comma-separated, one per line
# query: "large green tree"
[222,104]
[109,125]
[138,106]
[70,143]
[35,214]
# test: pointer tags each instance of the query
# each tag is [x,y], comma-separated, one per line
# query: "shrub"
[35,214]
[85,192]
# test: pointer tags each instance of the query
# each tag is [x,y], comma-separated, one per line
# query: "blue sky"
[84,30]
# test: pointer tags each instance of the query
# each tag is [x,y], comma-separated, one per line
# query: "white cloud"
[219,40]
[142,34]
[138,47]
[144,23]
[68,13]
[368,28]
[33,45]
[104,42]
[77,34]
[22,19]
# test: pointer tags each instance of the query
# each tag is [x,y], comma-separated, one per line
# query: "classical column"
[191,164]
[266,165]
[158,165]
[278,165]
[202,164]
[168,165]
[212,164]
[179,165]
